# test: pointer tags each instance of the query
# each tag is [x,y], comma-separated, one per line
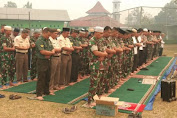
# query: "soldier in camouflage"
[96,56]
[33,39]
[7,58]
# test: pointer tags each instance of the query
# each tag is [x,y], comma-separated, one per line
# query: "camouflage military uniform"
[84,68]
[97,68]
[33,72]
[7,60]
[130,57]
[115,63]
[75,60]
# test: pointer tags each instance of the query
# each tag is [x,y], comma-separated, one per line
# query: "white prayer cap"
[134,30]
[59,30]
[82,31]
[44,28]
[7,27]
[99,29]
[145,30]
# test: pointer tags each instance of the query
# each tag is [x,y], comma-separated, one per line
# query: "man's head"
[2,28]
[107,32]
[53,33]
[74,33]
[98,32]
[46,33]
[16,31]
[24,34]
[82,33]
[7,30]
[114,32]
[86,33]
[36,33]
[65,32]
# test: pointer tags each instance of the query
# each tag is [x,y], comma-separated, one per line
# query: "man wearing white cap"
[7,57]
[96,57]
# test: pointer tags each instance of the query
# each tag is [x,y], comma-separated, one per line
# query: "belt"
[56,56]
[22,52]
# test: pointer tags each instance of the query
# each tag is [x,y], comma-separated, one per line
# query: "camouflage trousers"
[96,83]
[33,72]
[7,69]
[84,68]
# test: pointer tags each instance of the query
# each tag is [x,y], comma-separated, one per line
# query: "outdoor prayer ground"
[43,109]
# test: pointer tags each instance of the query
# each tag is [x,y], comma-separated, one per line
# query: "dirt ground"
[24,108]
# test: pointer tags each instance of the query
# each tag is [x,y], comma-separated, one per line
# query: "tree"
[28,5]
[168,14]
[138,18]
[10,4]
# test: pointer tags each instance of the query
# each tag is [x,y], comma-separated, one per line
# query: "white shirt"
[162,43]
[64,42]
[56,45]
[20,42]
[134,42]
[139,39]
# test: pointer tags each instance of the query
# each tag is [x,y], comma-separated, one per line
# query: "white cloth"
[162,42]
[64,42]
[20,42]
[56,45]
[139,39]
[135,48]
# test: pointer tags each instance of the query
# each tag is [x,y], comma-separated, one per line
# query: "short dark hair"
[27,28]
[74,31]
[2,25]
[107,28]
[53,30]
[25,31]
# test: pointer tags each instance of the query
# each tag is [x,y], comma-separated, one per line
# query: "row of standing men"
[107,55]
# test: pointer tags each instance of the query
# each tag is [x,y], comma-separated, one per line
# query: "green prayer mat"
[23,88]
[70,93]
[156,67]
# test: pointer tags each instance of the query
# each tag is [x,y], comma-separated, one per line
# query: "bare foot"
[40,98]
[18,83]
[12,84]
[35,79]
[72,83]
[4,87]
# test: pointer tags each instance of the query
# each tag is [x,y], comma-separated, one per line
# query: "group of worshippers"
[61,58]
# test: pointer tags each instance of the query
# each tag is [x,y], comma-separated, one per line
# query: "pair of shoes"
[72,109]
[2,96]
[14,97]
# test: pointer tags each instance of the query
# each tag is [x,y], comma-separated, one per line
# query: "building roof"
[35,14]
[92,21]
[98,8]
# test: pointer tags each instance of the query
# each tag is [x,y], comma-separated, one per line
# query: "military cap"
[66,29]
[16,30]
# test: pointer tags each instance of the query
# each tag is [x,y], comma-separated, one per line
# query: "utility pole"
[29,19]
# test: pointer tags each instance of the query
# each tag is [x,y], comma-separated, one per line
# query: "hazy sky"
[77,8]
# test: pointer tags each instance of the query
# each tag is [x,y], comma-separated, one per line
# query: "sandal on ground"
[2,96]
[66,111]
[73,108]
[14,97]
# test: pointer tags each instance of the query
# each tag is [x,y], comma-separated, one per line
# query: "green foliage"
[28,5]
[10,4]
[168,14]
